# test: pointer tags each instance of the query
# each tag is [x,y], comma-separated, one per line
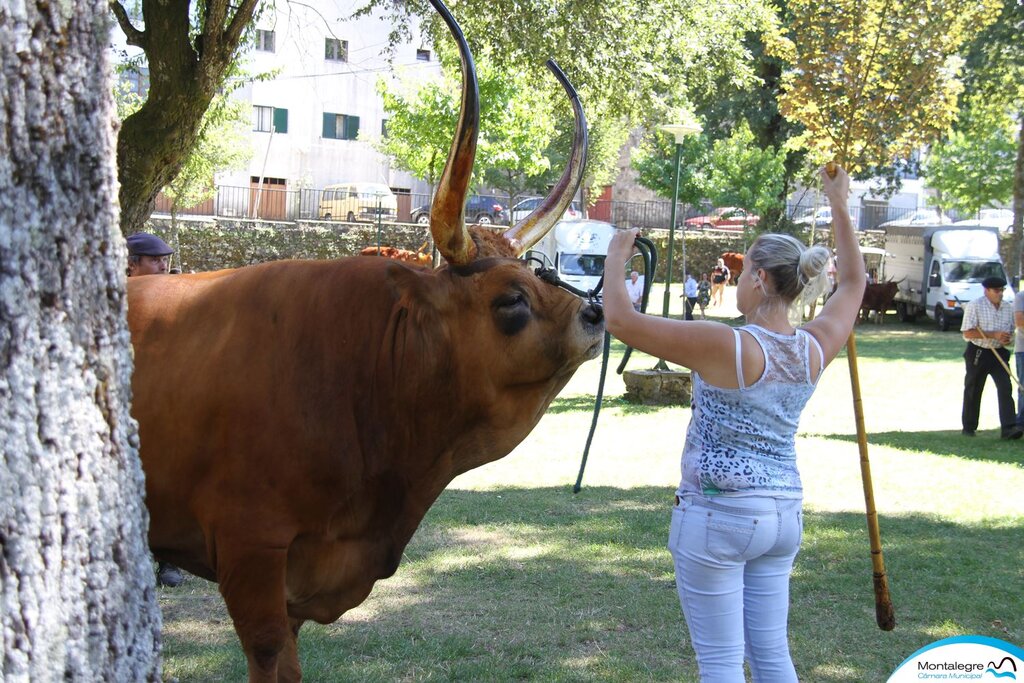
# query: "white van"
[577,249]
[940,268]
[358,202]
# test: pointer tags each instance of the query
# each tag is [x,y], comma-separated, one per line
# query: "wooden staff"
[885,615]
[1000,359]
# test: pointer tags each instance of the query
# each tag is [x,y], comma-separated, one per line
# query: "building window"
[341,126]
[423,55]
[335,50]
[264,40]
[267,119]
[383,128]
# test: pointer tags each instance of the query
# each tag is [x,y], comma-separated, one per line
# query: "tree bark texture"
[185,72]
[77,590]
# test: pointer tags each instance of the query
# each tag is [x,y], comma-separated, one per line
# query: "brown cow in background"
[418,258]
[734,262]
[298,418]
[878,298]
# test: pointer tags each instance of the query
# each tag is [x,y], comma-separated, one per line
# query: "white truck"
[576,249]
[940,268]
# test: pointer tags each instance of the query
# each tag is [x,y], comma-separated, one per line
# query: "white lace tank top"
[743,441]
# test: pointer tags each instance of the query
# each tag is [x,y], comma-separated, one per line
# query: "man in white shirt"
[635,289]
[988,329]
[690,292]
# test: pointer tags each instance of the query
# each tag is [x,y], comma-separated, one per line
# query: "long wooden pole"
[885,614]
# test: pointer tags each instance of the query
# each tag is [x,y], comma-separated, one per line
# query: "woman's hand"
[620,249]
[835,188]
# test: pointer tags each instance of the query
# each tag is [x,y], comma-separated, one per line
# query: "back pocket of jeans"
[728,536]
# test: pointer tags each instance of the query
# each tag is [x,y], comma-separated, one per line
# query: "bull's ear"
[418,328]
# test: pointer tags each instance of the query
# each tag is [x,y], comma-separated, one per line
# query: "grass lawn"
[513,577]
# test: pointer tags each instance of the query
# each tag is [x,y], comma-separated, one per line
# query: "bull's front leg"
[252,581]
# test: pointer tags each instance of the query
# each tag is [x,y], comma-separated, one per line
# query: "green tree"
[516,127]
[419,128]
[631,60]
[871,80]
[995,72]
[189,47]
[743,174]
[973,167]
[653,159]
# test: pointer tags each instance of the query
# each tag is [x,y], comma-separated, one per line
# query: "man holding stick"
[988,328]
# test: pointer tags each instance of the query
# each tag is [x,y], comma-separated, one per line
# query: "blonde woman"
[737,523]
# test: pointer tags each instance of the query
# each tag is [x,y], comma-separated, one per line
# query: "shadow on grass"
[986,446]
[585,404]
[907,341]
[542,585]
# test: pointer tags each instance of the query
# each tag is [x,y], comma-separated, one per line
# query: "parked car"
[927,216]
[995,218]
[481,209]
[820,217]
[522,209]
[730,218]
[358,202]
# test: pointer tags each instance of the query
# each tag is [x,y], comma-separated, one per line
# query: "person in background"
[690,292]
[147,255]
[987,328]
[635,288]
[719,276]
[703,294]
[737,521]
[150,255]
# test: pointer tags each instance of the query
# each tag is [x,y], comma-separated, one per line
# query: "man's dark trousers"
[982,363]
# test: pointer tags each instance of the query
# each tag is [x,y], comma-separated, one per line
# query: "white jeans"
[733,557]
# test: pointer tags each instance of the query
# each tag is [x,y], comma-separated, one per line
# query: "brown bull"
[878,297]
[298,418]
[734,262]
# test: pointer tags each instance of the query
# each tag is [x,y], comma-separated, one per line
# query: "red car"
[729,218]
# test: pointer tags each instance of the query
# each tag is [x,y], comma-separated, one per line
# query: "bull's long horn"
[447,211]
[532,229]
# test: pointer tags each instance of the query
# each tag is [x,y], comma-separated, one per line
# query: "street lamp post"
[680,131]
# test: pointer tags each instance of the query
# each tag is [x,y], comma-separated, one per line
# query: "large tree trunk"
[77,591]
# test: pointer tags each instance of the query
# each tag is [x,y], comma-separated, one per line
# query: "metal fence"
[274,203]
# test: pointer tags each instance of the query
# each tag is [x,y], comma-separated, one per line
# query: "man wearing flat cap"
[150,255]
[147,255]
[988,328]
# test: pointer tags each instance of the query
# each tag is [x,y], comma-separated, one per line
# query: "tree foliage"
[995,73]
[973,167]
[516,126]
[743,174]
[653,160]
[874,79]
[631,60]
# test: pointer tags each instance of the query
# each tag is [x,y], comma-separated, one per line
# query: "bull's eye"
[511,312]
[510,300]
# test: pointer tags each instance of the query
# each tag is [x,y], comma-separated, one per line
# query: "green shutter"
[330,125]
[280,120]
[351,127]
